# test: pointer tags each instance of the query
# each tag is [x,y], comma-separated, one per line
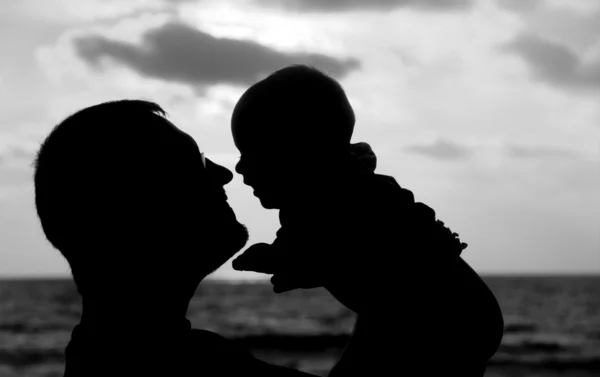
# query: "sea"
[552,324]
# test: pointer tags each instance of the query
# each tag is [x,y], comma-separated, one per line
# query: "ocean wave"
[558,363]
[532,354]
[28,357]
[513,328]
[530,346]
[555,326]
[21,327]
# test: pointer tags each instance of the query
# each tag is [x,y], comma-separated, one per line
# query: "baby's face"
[272,170]
[265,172]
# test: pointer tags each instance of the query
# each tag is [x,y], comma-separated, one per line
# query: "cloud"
[15,167]
[540,152]
[181,53]
[555,64]
[519,6]
[374,5]
[84,10]
[527,6]
[441,150]
[16,153]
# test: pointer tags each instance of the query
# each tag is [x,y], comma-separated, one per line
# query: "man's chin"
[233,238]
[239,237]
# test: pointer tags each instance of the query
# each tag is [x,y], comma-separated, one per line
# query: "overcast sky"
[487,110]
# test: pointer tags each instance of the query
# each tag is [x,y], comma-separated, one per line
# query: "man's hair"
[298,103]
[101,180]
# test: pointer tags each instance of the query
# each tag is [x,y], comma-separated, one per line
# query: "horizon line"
[266,279]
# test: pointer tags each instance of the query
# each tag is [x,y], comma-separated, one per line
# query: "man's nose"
[219,173]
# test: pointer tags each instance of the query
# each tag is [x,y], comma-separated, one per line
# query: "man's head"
[289,128]
[124,195]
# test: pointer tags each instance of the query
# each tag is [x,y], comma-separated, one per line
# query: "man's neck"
[123,320]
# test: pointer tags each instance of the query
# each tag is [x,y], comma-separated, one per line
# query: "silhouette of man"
[142,218]
[421,309]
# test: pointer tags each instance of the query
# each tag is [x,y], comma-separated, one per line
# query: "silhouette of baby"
[286,257]
[330,199]
[312,236]
[357,233]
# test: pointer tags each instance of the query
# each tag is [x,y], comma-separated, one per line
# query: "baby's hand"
[289,271]
[260,257]
[300,278]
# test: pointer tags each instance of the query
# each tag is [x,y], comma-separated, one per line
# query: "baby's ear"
[364,153]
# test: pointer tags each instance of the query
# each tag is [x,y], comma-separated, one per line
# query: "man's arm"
[218,355]
[264,369]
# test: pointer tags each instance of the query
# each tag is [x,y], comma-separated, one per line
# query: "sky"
[487,110]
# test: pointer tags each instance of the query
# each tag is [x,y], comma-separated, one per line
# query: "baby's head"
[290,129]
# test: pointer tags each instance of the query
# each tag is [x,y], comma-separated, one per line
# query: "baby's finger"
[263,266]
[258,258]
[283,288]
[283,282]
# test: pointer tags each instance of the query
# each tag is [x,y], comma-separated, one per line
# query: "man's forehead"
[184,136]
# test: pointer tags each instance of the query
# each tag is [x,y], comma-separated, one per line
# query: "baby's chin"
[269,204]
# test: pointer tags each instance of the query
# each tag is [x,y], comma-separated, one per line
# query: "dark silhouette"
[421,309]
[142,218]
